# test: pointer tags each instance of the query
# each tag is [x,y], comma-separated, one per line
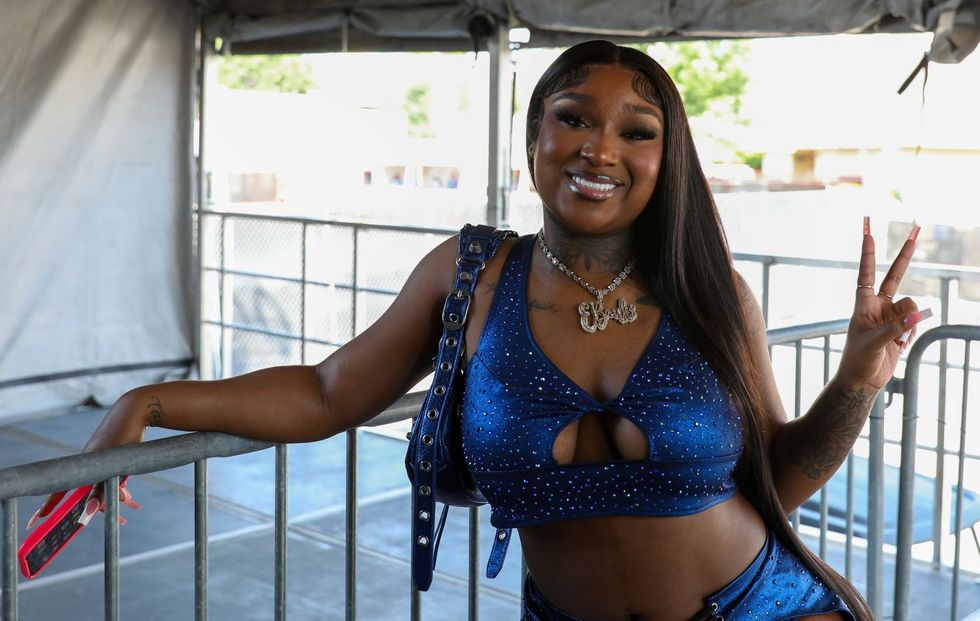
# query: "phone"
[55,532]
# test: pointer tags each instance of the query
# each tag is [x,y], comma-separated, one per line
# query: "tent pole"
[200,200]
[498,145]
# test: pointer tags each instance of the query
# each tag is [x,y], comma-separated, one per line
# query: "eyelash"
[573,120]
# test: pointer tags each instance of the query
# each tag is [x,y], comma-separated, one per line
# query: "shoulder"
[438,267]
[751,310]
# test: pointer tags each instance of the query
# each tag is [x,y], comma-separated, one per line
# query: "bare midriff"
[639,568]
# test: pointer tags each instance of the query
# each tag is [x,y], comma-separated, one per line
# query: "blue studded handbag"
[434,460]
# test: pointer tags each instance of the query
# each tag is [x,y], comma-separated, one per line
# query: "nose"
[600,148]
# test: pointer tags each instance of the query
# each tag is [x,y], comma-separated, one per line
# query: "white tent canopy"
[97,167]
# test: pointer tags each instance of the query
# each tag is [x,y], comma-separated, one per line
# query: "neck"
[600,254]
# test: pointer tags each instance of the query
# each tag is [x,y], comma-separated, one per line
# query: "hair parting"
[684,256]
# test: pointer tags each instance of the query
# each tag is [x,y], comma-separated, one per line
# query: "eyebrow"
[634,108]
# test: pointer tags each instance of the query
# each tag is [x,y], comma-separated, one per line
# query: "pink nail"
[867,225]
[913,318]
[34,519]
[91,508]
[914,233]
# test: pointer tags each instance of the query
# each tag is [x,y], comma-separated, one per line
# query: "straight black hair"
[683,254]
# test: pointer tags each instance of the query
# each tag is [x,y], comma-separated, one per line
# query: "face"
[598,152]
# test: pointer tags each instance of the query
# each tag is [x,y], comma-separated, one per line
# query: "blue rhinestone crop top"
[516,401]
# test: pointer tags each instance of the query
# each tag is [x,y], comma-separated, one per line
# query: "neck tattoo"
[592,315]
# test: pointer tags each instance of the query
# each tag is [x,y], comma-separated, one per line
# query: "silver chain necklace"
[592,315]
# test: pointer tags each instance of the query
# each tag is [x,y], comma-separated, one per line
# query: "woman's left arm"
[805,452]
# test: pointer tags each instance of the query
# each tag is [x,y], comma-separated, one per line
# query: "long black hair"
[682,251]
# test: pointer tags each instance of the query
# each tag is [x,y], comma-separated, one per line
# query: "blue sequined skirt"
[776,586]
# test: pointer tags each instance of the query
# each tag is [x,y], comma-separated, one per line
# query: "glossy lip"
[591,193]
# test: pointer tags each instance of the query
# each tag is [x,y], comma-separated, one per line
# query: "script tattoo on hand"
[822,448]
[156,411]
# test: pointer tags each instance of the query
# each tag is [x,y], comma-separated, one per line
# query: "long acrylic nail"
[34,519]
[913,318]
[91,508]
[914,233]
[867,225]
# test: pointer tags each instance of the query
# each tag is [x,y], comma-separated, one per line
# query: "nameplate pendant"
[592,315]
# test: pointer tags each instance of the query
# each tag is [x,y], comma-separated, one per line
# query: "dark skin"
[635,568]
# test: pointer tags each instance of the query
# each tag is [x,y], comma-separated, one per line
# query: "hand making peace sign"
[881,327]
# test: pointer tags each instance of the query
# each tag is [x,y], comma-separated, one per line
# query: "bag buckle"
[451,319]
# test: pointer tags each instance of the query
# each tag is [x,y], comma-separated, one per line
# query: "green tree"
[710,75]
[283,73]
[416,105]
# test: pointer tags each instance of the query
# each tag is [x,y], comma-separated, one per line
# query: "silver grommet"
[425,466]
[501,535]
[439,390]
[408,436]
[476,247]
[424,516]
[454,317]
[427,439]
[451,341]
[466,277]
[714,607]
[432,413]
[423,541]
[425,490]
[445,366]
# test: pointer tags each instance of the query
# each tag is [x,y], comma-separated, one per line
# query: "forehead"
[608,82]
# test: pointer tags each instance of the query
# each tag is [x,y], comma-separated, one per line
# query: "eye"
[570,118]
[640,133]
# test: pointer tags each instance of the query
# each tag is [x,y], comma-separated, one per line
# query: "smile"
[594,188]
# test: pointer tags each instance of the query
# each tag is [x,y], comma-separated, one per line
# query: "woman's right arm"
[302,403]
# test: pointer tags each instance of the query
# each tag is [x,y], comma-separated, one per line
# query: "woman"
[650,478]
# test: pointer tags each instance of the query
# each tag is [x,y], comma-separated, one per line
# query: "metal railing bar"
[955,597]
[849,528]
[298,281]
[283,335]
[903,552]
[111,550]
[201,540]
[9,590]
[824,497]
[337,223]
[118,368]
[473,599]
[302,299]
[350,532]
[797,409]
[820,329]
[940,488]
[936,270]
[282,527]
[415,604]
[876,507]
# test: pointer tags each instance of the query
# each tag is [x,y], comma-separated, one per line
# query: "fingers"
[889,286]
[866,269]
[895,329]
[49,504]
[127,498]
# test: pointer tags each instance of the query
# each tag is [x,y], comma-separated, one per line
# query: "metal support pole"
[474,582]
[954,605]
[849,521]
[939,504]
[876,506]
[9,559]
[353,294]
[201,540]
[302,297]
[498,147]
[282,526]
[824,497]
[111,573]
[350,574]
[797,410]
[199,194]
[415,604]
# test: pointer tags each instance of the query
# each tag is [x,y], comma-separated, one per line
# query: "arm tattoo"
[543,306]
[823,446]
[156,411]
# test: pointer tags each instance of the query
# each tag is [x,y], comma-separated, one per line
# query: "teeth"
[604,187]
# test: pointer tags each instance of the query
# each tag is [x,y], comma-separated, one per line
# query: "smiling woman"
[640,448]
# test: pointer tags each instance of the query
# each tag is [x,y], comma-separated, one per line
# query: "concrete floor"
[157,544]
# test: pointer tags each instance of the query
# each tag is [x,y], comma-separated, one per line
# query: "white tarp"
[94,193]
